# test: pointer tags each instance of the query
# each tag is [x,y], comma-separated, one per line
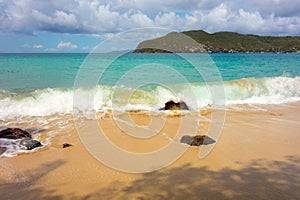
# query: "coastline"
[256,157]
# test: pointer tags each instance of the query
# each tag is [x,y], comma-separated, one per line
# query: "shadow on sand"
[18,186]
[257,180]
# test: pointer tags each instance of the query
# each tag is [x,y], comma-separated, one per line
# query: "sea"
[37,89]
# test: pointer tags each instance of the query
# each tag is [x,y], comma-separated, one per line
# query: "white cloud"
[37,46]
[62,44]
[86,48]
[225,18]
[50,49]
[280,8]
[100,17]
[169,19]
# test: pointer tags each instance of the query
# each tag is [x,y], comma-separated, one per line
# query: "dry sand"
[256,157]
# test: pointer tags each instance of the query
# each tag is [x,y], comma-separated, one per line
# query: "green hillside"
[226,42]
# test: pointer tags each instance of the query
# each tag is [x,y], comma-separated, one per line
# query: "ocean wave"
[53,101]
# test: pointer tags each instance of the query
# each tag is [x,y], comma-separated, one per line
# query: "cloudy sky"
[79,25]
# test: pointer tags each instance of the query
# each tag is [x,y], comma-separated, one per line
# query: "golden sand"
[256,157]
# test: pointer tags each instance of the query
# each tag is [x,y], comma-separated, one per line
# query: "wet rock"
[65,145]
[197,140]
[2,150]
[171,105]
[29,144]
[14,133]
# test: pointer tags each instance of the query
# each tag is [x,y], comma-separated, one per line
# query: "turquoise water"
[42,84]
[23,72]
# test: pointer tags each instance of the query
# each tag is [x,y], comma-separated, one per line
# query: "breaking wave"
[58,101]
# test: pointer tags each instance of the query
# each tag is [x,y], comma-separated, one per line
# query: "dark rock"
[14,133]
[171,105]
[197,140]
[65,145]
[29,144]
[2,150]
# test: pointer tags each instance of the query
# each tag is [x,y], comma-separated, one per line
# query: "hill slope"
[221,42]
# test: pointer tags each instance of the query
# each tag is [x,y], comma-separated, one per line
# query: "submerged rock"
[29,144]
[14,133]
[197,140]
[171,105]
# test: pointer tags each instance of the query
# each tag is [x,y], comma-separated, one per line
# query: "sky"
[54,26]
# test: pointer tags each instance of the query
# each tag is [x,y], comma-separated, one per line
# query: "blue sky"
[79,25]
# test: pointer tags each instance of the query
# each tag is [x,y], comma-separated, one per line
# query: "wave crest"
[47,102]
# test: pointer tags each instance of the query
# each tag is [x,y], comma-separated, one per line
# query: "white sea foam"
[47,102]
[13,147]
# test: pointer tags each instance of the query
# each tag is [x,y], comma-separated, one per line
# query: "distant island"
[220,42]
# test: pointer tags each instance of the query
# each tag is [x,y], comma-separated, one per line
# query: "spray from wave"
[57,101]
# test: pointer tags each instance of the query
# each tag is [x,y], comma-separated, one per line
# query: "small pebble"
[65,145]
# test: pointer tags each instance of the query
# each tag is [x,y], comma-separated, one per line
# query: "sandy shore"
[256,157]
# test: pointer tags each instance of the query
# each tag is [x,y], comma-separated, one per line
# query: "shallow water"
[36,90]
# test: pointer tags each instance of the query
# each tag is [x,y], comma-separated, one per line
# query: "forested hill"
[225,42]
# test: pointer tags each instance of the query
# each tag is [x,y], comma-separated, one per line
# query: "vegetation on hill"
[224,42]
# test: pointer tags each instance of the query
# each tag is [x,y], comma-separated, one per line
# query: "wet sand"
[257,156]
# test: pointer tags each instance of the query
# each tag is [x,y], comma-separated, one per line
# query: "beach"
[142,100]
[125,145]
[256,157]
